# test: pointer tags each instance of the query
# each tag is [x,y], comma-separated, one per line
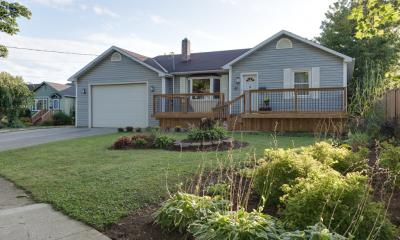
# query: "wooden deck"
[323,109]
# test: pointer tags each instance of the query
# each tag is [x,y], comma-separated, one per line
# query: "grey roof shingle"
[57,86]
[70,91]
[148,60]
[202,61]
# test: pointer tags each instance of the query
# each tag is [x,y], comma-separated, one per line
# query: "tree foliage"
[9,12]
[14,96]
[339,32]
[376,17]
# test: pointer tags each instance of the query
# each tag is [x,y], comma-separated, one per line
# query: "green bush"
[219,189]
[358,140]
[60,118]
[48,123]
[341,202]
[237,225]
[316,232]
[183,209]
[389,157]
[281,167]
[163,141]
[215,133]
[339,158]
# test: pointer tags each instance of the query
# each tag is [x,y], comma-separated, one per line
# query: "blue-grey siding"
[270,63]
[107,72]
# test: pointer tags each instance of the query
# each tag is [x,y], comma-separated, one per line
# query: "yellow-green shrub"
[341,202]
[389,157]
[281,167]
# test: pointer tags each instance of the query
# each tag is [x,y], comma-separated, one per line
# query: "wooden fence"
[391,103]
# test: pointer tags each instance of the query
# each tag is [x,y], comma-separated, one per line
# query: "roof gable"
[143,60]
[281,33]
[57,87]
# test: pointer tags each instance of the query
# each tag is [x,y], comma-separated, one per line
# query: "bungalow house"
[285,79]
[49,97]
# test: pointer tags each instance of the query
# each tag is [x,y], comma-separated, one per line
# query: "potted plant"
[266,103]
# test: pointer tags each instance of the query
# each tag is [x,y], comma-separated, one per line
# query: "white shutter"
[182,85]
[287,82]
[315,79]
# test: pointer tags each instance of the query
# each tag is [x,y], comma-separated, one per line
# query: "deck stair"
[42,116]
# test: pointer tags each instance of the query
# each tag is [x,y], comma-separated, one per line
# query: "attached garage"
[118,105]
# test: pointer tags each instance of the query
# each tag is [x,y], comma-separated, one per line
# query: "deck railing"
[296,100]
[187,103]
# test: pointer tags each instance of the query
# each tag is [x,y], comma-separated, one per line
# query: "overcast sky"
[147,27]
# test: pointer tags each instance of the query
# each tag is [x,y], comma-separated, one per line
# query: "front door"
[250,82]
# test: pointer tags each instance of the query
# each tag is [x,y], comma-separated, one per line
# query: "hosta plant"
[237,225]
[182,209]
[316,232]
[163,141]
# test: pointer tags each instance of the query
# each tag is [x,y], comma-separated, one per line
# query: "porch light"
[237,80]
[152,88]
[83,91]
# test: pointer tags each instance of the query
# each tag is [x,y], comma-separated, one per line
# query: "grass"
[89,182]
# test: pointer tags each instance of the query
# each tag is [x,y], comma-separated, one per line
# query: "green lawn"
[84,179]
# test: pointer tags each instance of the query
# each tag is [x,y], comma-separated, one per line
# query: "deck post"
[295,100]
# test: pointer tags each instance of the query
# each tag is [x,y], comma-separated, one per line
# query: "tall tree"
[9,12]
[14,97]
[376,17]
[339,33]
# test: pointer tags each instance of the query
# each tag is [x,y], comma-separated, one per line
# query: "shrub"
[129,129]
[281,167]
[120,130]
[163,141]
[341,202]
[389,157]
[339,158]
[239,225]
[207,124]
[140,142]
[357,140]
[215,133]
[316,232]
[122,142]
[25,113]
[219,189]
[389,129]
[138,130]
[26,121]
[48,123]
[183,209]
[61,118]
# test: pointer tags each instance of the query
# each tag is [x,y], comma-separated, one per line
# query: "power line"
[51,51]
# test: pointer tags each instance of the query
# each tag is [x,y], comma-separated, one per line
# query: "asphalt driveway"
[19,139]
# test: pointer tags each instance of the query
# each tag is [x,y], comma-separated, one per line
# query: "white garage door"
[119,105]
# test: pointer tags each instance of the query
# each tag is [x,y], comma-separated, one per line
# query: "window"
[56,104]
[40,104]
[205,85]
[302,80]
[201,86]
[116,57]
[284,43]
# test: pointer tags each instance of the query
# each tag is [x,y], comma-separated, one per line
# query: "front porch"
[287,110]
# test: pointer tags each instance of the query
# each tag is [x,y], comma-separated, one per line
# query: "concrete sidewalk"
[21,219]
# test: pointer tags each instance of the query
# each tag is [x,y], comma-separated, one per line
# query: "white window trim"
[284,39]
[211,78]
[38,99]
[300,70]
[242,79]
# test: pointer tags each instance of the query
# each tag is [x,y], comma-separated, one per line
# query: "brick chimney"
[185,50]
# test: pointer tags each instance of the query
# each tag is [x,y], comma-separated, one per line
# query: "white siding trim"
[230,84]
[315,81]
[182,85]
[117,83]
[76,103]
[344,74]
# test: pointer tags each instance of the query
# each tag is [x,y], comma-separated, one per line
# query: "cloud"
[36,67]
[55,3]
[158,19]
[206,35]
[103,11]
[232,2]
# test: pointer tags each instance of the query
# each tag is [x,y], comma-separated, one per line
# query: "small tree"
[9,12]
[14,97]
